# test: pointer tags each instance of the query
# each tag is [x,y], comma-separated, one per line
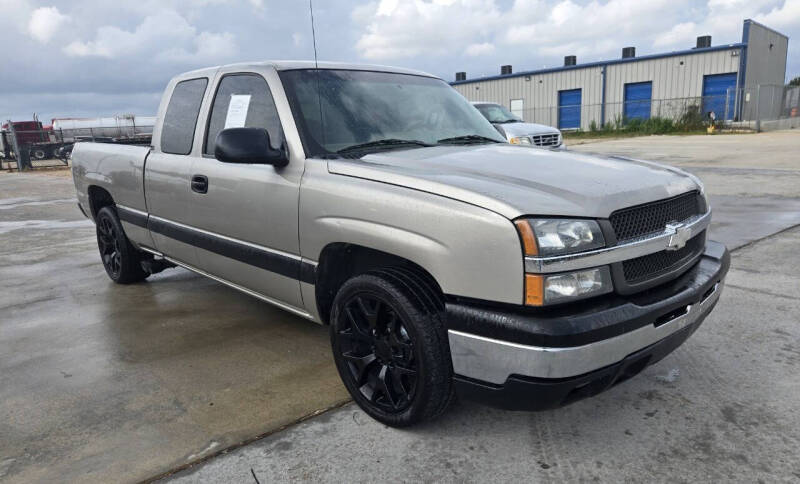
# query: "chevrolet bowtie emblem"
[679,234]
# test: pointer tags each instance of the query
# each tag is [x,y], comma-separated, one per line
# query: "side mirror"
[248,145]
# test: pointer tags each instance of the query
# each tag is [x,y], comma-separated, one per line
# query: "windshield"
[496,113]
[339,110]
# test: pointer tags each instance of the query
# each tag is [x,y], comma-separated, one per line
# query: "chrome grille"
[653,265]
[650,218]
[545,139]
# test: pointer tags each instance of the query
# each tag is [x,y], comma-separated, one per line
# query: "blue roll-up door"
[637,100]
[569,109]
[715,94]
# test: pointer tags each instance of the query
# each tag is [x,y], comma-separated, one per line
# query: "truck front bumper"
[531,360]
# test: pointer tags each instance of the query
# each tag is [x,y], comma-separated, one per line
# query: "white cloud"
[783,17]
[45,23]
[165,35]
[395,29]
[533,31]
[208,47]
[483,48]
[681,33]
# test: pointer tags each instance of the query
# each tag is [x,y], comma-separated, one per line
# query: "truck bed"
[116,168]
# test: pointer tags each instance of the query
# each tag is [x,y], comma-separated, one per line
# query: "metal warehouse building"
[725,79]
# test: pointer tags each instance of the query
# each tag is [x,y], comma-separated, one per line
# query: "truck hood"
[515,180]
[523,129]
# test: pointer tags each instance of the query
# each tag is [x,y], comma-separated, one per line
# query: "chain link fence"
[766,107]
[760,108]
[23,149]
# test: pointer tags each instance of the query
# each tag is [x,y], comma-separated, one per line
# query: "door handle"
[200,183]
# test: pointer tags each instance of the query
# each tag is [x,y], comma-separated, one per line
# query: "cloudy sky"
[100,57]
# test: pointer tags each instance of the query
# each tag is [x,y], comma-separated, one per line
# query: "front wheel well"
[98,198]
[339,262]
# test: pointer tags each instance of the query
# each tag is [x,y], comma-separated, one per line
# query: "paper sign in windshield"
[237,111]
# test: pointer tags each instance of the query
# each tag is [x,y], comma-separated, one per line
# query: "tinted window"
[177,133]
[243,101]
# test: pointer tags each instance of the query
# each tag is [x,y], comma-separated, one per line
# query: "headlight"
[551,289]
[556,236]
[520,140]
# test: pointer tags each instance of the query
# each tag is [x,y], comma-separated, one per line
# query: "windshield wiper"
[467,139]
[383,143]
[505,121]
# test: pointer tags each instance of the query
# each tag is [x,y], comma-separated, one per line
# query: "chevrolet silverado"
[445,260]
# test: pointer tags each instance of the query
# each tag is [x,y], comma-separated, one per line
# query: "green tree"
[795,81]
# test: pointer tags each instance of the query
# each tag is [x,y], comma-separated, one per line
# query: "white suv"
[517,131]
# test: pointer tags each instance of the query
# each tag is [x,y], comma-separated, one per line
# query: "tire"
[390,347]
[122,262]
[39,154]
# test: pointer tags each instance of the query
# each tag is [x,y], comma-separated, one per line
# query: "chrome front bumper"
[493,361]
[495,344]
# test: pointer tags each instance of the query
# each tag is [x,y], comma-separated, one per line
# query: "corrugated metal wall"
[540,93]
[766,55]
[766,66]
[673,77]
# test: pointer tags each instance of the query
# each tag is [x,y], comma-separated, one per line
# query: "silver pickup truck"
[379,202]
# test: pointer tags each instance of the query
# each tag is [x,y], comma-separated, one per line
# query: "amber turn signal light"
[534,290]
[528,238]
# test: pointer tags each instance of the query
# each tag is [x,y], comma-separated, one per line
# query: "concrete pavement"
[107,383]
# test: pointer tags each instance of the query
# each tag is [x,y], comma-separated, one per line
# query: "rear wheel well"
[339,262]
[98,198]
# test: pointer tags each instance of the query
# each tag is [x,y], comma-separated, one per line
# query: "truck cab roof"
[288,65]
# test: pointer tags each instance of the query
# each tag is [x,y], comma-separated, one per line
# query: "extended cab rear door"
[167,177]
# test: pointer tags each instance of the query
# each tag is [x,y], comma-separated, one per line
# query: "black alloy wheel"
[379,352]
[108,242]
[121,260]
[390,346]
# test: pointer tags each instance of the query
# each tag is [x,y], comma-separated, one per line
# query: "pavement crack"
[760,291]
[755,241]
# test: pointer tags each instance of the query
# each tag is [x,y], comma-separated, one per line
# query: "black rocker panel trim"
[264,259]
[134,218]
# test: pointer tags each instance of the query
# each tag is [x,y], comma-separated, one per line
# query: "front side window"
[243,101]
[180,120]
[338,109]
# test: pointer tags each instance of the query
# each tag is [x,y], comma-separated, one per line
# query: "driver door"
[248,212]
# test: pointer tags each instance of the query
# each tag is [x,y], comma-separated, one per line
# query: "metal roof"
[604,63]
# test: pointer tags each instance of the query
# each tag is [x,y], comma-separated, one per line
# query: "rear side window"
[177,133]
[243,101]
